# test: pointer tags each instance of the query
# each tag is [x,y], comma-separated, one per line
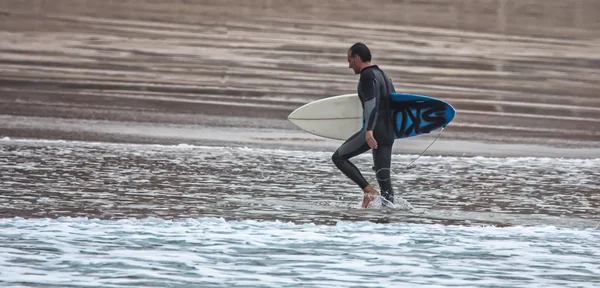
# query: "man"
[377,134]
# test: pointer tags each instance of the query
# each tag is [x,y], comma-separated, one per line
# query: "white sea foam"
[212,252]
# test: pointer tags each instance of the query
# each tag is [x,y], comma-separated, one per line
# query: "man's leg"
[354,146]
[382,158]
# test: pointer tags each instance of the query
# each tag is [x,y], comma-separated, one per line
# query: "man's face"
[353,62]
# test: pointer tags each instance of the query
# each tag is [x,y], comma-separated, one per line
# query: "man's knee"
[336,158]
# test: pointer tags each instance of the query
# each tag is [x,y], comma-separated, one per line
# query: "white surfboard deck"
[335,117]
[339,117]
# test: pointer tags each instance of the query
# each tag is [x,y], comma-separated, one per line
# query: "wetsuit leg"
[382,158]
[354,146]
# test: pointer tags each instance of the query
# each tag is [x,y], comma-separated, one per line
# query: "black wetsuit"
[374,91]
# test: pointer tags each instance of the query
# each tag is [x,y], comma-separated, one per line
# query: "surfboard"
[339,117]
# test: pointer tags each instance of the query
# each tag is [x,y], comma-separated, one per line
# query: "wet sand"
[523,76]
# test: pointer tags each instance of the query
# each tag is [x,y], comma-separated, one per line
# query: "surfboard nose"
[335,117]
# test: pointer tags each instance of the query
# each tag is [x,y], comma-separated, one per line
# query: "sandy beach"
[522,76]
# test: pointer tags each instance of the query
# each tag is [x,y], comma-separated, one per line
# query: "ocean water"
[212,252]
[80,214]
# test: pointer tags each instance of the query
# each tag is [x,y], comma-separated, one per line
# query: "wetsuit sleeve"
[371,100]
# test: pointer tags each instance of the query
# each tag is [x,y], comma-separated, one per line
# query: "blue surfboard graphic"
[414,114]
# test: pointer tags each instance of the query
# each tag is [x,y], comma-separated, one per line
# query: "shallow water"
[78,214]
[111,181]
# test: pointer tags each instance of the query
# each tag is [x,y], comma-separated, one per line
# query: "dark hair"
[362,51]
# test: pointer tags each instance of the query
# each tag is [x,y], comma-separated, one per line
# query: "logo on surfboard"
[419,117]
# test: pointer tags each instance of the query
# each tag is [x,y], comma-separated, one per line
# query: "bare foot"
[370,194]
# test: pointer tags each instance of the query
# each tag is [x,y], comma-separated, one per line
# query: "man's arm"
[371,102]
[371,99]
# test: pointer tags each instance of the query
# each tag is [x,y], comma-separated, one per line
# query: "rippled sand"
[521,72]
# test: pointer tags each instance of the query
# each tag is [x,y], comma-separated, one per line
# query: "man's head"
[359,57]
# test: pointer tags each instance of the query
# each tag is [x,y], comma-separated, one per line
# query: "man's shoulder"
[367,73]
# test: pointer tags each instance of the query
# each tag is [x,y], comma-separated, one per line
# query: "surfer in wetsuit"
[377,134]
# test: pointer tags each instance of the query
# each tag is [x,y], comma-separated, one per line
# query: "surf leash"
[411,162]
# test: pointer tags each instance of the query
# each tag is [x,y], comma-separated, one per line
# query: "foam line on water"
[218,253]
